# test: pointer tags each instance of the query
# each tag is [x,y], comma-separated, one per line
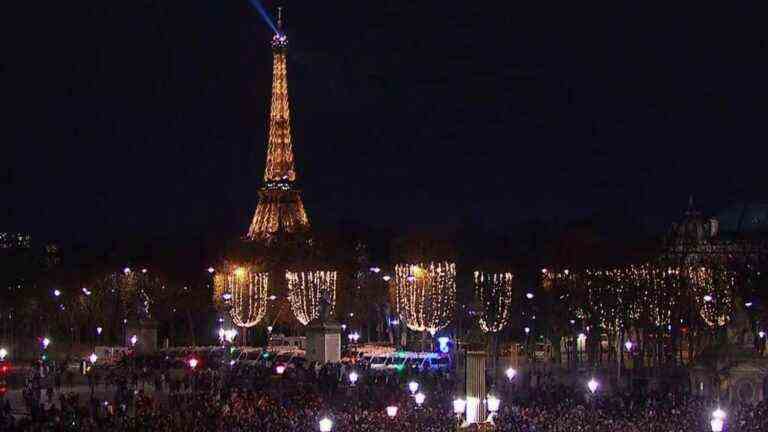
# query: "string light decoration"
[280,207]
[220,287]
[712,293]
[647,293]
[496,292]
[425,294]
[248,295]
[306,289]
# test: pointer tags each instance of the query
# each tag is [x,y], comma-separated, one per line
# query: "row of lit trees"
[244,292]
[661,302]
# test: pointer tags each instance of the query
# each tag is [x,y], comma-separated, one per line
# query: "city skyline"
[410,115]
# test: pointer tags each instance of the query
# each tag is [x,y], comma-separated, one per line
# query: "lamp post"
[493,403]
[353,376]
[413,386]
[326,424]
[419,398]
[459,405]
[3,354]
[718,420]
[592,385]
[392,411]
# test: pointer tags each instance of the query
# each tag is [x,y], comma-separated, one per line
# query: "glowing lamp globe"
[459,405]
[326,425]
[413,386]
[392,411]
[716,425]
[93,357]
[3,353]
[46,342]
[493,403]
[193,363]
[628,345]
[419,398]
[592,385]
[511,373]
[280,369]
[761,334]
[718,420]
[99,330]
[353,376]
[707,298]
[529,296]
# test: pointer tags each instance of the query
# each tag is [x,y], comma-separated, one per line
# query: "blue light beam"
[265,15]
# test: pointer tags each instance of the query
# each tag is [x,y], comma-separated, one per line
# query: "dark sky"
[147,118]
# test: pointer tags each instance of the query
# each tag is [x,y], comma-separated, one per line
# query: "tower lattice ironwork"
[280,208]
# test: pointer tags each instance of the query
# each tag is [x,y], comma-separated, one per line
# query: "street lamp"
[134,339]
[99,330]
[326,424]
[419,398]
[193,363]
[56,292]
[211,270]
[459,405]
[511,373]
[280,369]
[392,411]
[493,404]
[718,420]
[46,342]
[3,354]
[593,385]
[628,345]
[413,386]
[93,357]
[353,376]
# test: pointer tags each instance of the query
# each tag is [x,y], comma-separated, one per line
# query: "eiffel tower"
[280,209]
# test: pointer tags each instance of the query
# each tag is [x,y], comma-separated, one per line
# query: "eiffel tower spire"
[280,209]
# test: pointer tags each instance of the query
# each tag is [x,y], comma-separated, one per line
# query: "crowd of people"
[154,396]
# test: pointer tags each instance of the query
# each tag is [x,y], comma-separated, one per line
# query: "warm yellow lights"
[280,208]
[305,291]
[647,293]
[495,291]
[243,292]
[425,294]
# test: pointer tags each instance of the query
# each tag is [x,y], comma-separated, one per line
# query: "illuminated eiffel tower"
[280,209]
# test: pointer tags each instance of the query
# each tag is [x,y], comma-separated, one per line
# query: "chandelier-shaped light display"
[712,293]
[425,294]
[306,291]
[647,293]
[220,288]
[246,292]
[495,292]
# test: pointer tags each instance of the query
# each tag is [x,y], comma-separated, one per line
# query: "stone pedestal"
[146,332]
[323,342]
[476,391]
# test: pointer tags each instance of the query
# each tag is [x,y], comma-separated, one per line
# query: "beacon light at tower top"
[424,294]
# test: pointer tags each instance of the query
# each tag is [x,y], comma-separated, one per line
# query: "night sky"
[147,118]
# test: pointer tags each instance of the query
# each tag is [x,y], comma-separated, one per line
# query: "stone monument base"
[323,342]
[146,333]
